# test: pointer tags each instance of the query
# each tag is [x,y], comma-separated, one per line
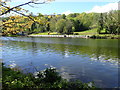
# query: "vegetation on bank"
[47,33]
[49,78]
[92,33]
[87,32]
[76,23]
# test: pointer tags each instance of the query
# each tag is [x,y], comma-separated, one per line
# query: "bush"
[48,78]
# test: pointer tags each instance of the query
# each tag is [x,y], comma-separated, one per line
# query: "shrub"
[48,78]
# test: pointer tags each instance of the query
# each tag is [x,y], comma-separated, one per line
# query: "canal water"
[75,59]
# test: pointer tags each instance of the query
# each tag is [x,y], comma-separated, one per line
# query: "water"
[76,59]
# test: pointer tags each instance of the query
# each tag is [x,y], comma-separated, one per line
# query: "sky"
[70,6]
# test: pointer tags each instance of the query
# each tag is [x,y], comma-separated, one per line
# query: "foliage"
[60,25]
[48,78]
[14,25]
[63,16]
[100,23]
[109,21]
[28,24]
[106,23]
[83,18]
[69,28]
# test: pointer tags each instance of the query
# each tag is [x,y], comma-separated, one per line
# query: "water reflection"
[95,53]
[13,64]
[102,58]
[84,59]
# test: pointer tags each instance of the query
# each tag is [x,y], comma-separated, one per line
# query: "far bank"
[79,36]
[84,34]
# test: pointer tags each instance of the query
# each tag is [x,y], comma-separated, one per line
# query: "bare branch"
[39,3]
[31,5]
[16,12]
[11,9]
[24,15]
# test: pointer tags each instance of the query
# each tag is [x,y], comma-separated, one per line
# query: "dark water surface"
[76,59]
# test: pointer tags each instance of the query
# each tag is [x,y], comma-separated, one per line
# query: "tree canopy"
[66,24]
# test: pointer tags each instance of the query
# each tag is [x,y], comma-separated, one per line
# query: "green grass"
[107,35]
[46,33]
[88,32]
[94,32]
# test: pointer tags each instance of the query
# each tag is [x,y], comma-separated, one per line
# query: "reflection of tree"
[65,74]
[66,51]
[91,49]
[98,52]
[34,45]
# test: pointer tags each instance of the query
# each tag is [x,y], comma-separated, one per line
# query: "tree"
[85,21]
[40,15]
[114,25]
[76,24]
[42,26]
[73,15]
[109,22]
[63,16]
[52,24]
[15,25]
[68,29]
[60,25]
[100,23]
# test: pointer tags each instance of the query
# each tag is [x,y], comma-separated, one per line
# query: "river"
[76,59]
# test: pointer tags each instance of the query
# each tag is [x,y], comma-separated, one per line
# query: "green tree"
[60,25]
[63,16]
[68,28]
[15,26]
[100,23]
[113,22]
[52,24]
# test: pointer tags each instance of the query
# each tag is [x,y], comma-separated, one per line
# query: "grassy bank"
[92,33]
[46,33]
[49,78]
[88,32]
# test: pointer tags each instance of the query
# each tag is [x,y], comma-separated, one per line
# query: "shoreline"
[76,36]
[61,36]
